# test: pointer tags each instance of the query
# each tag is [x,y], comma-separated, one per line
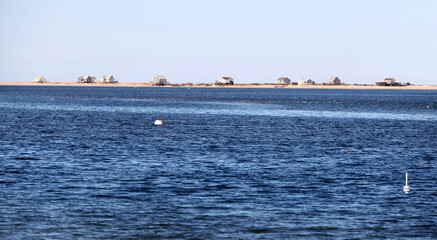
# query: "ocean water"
[87,163]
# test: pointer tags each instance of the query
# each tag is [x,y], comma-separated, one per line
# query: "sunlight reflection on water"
[231,109]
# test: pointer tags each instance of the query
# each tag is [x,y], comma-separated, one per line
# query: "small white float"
[158,122]
[406,188]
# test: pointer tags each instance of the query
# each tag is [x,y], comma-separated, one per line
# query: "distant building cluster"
[92,79]
[161,80]
[391,82]
[306,81]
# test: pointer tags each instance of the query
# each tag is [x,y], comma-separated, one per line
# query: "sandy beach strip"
[197,85]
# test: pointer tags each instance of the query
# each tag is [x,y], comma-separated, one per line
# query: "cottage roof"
[160,77]
[227,78]
[283,78]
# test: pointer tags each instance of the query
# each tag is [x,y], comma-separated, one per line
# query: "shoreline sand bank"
[197,85]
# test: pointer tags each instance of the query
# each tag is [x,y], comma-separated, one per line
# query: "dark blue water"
[87,163]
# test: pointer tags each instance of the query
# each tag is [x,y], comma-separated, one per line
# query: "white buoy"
[158,122]
[406,188]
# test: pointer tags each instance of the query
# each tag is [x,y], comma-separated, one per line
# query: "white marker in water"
[158,122]
[406,188]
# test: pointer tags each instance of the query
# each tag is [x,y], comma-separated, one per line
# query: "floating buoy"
[158,122]
[347,150]
[406,188]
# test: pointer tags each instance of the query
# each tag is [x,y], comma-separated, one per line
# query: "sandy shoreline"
[196,85]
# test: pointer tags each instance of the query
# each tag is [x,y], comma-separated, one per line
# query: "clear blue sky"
[199,41]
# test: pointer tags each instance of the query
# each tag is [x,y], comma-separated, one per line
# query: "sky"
[199,41]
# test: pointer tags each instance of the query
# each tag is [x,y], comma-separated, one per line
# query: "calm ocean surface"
[87,163]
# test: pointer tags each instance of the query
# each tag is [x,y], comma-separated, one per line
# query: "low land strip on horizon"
[202,85]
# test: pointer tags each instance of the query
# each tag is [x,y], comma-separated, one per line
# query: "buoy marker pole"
[406,188]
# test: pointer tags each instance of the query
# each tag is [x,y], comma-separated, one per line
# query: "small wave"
[27,158]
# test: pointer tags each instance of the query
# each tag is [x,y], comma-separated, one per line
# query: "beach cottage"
[107,79]
[283,81]
[390,81]
[159,80]
[40,79]
[334,81]
[225,81]
[305,81]
[86,79]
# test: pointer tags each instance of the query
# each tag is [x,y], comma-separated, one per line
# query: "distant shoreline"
[199,85]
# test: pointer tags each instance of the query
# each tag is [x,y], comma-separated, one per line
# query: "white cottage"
[334,81]
[305,81]
[107,79]
[225,81]
[390,81]
[159,80]
[40,79]
[86,79]
[283,81]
